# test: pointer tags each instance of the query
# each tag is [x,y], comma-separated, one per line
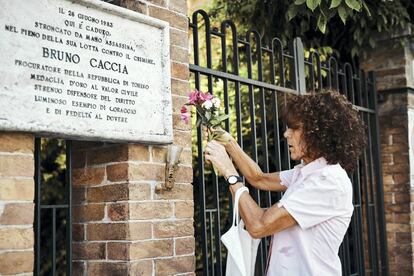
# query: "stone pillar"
[122,224]
[16,203]
[393,64]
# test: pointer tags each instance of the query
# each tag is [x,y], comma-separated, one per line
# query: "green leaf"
[299,2]
[353,4]
[322,23]
[366,8]
[208,115]
[312,4]
[214,122]
[221,118]
[292,12]
[342,14]
[335,3]
[372,42]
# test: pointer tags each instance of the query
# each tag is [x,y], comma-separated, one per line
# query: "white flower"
[207,104]
[216,102]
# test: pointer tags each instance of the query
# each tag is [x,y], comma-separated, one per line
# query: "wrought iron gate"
[253,79]
[53,207]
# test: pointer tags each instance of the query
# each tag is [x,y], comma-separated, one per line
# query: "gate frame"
[339,76]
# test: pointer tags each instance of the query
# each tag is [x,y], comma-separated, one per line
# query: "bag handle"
[236,214]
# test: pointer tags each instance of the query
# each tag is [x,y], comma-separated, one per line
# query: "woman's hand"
[216,153]
[218,134]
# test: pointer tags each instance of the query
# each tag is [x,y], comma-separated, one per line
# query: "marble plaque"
[84,70]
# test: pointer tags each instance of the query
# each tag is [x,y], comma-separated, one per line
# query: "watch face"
[232,179]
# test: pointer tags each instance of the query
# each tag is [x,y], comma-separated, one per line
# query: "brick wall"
[124,225]
[16,203]
[394,80]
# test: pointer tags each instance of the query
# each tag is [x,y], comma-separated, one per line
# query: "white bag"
[242,248]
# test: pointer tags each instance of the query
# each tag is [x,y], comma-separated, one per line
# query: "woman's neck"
[307,160]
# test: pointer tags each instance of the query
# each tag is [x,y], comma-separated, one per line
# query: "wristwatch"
[233,179]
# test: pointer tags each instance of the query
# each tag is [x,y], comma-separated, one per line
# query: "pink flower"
[205,96]
[185,117]
[198,98]
[193,97]
[184,109]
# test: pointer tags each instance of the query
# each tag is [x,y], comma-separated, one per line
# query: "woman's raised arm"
[251,171]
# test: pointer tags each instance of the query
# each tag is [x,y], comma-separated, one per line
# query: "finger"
[213,143]
[207,157]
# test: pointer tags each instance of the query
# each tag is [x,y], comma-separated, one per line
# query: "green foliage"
[53,173]
[350,26]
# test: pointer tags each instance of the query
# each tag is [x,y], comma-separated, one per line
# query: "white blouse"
[319,198]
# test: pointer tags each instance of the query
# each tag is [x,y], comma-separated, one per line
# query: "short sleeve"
[321,198]
[286,177]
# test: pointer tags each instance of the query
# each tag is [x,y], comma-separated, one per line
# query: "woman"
[309,222]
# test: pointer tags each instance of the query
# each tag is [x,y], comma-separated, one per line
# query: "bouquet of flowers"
[210,115]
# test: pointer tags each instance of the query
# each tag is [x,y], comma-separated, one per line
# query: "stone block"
[176,265]
[135,5]
[178,102]
[147,171]
[159,154]
[180,71]
[182,138]
[78,268]
[138,152]
[16,262]
[108,193]
[179,54]
[140,231]
[151,249]
[113,153]
[17,189]
[139,191]
[184,174]
[117,172]
[180,191]
[16,142]
[150,210]
[184,209]
[118,250]
[90,212]
[143,267]
[17,213]
[161,3]
[89,251]
[16,238]
[179,38]
[107,231]
[88,176]
[178,6]
[180,87]
[180,124]
[16,165]
[184,246]
[118,211]
[176,20]
[78,232]
[78,194]
[170,229]
[107,268]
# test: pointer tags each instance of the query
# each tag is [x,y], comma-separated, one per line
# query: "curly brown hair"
[331,126]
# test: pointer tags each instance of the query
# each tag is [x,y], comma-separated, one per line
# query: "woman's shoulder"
[335,173]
